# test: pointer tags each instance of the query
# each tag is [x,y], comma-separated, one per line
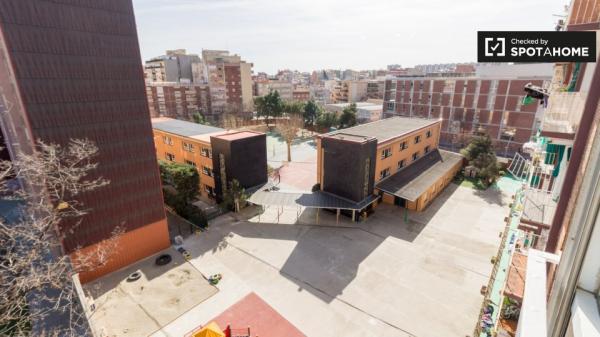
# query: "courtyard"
[397,274]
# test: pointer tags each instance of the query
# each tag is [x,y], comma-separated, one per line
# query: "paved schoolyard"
[384,277]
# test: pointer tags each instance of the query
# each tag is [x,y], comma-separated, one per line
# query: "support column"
[353,215]
[337,217]
[317,216]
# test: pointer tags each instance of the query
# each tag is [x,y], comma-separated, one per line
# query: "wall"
[467,104]
[344,165]
[397,155]
[78,71]
[181,156]
[245,160]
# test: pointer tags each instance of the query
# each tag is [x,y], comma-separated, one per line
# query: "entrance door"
[399,201]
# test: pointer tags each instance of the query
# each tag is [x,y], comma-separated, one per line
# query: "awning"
[414,180]
[268,197]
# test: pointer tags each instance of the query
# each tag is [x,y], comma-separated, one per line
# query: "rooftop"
[358,104]
[415,179]
[386,129]
[183,128]
[238,135]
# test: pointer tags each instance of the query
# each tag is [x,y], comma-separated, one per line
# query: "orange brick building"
[242,153]
[397,159]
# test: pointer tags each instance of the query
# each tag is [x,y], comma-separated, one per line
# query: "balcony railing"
[564,111]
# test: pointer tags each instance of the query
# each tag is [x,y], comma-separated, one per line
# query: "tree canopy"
[269,105]
[480,153]
[348,117]
[184,179]
[311,112]
[293,108]
[327,120]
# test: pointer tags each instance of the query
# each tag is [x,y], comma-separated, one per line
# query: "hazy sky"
[338,34]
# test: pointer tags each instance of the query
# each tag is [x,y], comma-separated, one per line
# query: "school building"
[397,159]
[219,155]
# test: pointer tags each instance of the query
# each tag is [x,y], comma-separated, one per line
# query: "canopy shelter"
[267,196]
[413,181]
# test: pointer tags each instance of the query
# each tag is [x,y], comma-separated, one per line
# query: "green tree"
[293,108]
[327,120]
[348,117]
[269,106]
[235,197]
[180,189]
[199,118]
[311,113]
[480,153]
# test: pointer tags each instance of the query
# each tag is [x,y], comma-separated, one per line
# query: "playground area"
[389,276]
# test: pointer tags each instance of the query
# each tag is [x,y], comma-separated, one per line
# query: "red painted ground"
[263,320]
[301,175]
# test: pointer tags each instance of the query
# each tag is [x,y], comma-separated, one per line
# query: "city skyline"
[306,36]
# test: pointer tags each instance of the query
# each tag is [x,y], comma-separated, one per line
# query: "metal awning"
[268,197]
[410,183]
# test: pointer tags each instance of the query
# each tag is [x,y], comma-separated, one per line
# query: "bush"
[195,215]
[316,187]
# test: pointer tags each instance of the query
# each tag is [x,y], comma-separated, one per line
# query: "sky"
[307,35]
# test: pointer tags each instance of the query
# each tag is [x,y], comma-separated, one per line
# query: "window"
[169,156]
[205,152]
[167,140]
[386,153]
[417,139]
[210,191]
[384,173]
[427,149]
[403,146]
[415,156]
[401,164]
[191,163]
[188,147]
[207,171]
[428,134]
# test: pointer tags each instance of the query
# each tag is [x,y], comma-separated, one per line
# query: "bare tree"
[289,131]
[38,294]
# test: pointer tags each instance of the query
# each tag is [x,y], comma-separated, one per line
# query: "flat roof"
[411,182]
[349,137]
[238,135]
[182,128]
[387,129]
[266,197]
[358,104]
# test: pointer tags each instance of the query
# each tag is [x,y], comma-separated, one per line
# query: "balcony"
[563,113]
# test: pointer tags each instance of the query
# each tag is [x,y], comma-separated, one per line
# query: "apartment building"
[301,94]
[365,111]
[175,66]
[552,265]
[219,155]
[350,91]
[230,82]
[396,159]
[491,102]
[178,100]
[375,89]
[64,78]
[284,88]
